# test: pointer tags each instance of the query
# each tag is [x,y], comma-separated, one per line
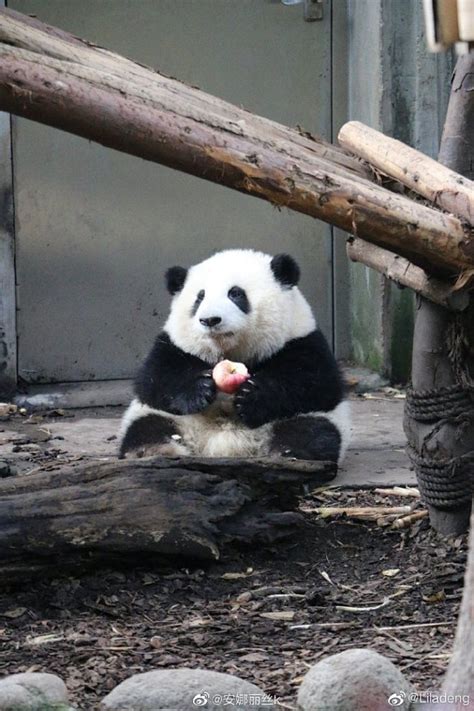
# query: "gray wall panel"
[96,229]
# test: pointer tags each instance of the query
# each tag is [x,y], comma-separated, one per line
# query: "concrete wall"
[396,86]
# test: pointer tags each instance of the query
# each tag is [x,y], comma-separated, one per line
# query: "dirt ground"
[265,614]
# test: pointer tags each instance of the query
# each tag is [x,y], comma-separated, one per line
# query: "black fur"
[175,278]
[285,270]
[148,430]
[200,296]
[240,299]
[175,381]
[302,377]
[306,437]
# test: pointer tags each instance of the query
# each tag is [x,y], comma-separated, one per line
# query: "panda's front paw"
[248,404]
[206,391]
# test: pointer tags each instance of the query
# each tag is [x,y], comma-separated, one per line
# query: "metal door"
[95,229]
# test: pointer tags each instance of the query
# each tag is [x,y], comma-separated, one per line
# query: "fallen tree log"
[49,76]
[186,507]
[404,273]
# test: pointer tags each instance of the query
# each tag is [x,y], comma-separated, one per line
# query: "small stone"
[178,689]
[6,469]
[355,679]
[33,691]
[7,409]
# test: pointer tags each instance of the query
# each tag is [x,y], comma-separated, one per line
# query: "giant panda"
[245,306]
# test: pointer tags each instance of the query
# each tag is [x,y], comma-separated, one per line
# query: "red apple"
[229,376]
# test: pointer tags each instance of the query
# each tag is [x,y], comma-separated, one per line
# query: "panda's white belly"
[218,433]
[215,433]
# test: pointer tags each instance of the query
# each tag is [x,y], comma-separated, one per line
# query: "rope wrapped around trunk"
[443,403]
[446,482]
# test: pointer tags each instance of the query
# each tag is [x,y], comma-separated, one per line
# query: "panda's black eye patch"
[239,297]
[200,296]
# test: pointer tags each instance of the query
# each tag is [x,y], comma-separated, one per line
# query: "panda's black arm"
[174,381]
[302,377]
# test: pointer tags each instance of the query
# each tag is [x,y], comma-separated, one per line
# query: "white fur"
[211,434]
[215,434]
[277,315]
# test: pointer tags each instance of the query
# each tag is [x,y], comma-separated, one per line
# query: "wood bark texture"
[436,182]
[404,273]
[187,507]
[459,678]
[52,77]
[443,346]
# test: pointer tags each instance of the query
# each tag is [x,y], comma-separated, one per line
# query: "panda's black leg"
[306,437]
[150,435]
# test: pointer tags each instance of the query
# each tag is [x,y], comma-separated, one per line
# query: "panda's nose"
[210,322]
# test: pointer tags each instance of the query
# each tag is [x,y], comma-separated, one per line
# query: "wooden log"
[404,273]
[188,507]
[459,680]
[425,176]
[49,76]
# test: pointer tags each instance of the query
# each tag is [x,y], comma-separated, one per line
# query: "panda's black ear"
[285,269]
[175,278]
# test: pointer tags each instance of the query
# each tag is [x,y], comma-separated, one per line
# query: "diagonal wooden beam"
[54,78]
[435,182]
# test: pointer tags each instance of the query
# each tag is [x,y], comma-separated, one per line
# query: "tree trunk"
[173,507]
[460,675]
[439,416]
[49,76]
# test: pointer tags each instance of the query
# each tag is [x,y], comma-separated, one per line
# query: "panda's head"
[238,304]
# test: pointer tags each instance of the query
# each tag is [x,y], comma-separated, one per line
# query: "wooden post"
[459,679]
[439,415]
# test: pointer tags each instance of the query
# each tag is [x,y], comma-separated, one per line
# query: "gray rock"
[33,692]
[354,680]
[185,690]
